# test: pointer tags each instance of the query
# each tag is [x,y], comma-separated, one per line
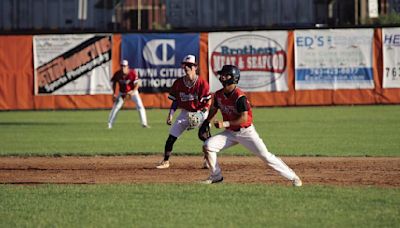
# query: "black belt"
[236,130]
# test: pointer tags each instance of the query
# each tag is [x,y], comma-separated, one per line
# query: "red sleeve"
[215,100]
[115,77]
[205,92]
[133,76]
[173,91]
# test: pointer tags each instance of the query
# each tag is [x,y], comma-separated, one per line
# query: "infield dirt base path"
[341,171]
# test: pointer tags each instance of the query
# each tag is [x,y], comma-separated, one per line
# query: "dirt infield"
[340,171]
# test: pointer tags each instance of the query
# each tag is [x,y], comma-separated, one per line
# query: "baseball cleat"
[109,126]
[297,182]
[212,180]
[145,126]
[163,165]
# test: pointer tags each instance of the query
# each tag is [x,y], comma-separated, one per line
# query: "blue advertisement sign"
[157,57]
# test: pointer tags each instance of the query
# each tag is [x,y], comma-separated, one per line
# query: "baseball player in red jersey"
[238,123]
[128,82]
[191,94]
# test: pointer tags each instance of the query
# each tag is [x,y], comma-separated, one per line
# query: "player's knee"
[170,143]
[207,148]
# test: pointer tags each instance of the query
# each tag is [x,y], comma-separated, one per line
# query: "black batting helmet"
[230,70]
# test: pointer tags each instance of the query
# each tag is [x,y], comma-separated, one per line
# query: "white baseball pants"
[119,102]
[250,139]
[181,123]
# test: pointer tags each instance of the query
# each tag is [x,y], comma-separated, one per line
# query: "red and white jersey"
[192,98]
[125,82]
[228,107]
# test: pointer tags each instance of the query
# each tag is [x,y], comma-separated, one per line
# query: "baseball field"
[66,169]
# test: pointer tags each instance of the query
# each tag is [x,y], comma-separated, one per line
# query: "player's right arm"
[172,110]
[213,111]
[172,96]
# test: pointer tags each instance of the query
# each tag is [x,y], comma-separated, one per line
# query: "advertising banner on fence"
[157,57]
[391,57]
[333,59]
[261,57]
[72,64]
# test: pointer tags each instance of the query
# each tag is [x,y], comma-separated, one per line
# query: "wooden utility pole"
[364,11]
[139,20]
[356,12]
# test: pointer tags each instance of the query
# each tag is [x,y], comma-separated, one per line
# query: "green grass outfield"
[309,131]
[195,205]
[305,131]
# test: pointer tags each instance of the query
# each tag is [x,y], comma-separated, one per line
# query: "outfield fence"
[278,68]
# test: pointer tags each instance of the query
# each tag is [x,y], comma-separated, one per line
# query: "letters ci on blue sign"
[157,57]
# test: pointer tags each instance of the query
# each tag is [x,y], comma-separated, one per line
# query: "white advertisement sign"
[72,64]
[391,57]
[261,57]
[333,59]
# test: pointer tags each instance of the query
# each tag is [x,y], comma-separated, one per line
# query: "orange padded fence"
[17,82]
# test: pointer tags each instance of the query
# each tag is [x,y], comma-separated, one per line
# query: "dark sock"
[166,155]
[168,147]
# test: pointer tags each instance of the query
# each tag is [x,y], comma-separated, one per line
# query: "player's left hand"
[204,131]
[128,96]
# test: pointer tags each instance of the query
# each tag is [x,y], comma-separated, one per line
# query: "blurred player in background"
[128,82]
[238,123]
[191,94]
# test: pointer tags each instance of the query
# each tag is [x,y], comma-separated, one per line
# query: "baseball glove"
[204,131]
[195,119]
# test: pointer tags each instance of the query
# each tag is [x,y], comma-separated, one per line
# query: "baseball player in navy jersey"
[238,123]
[128,82]
[190,94]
